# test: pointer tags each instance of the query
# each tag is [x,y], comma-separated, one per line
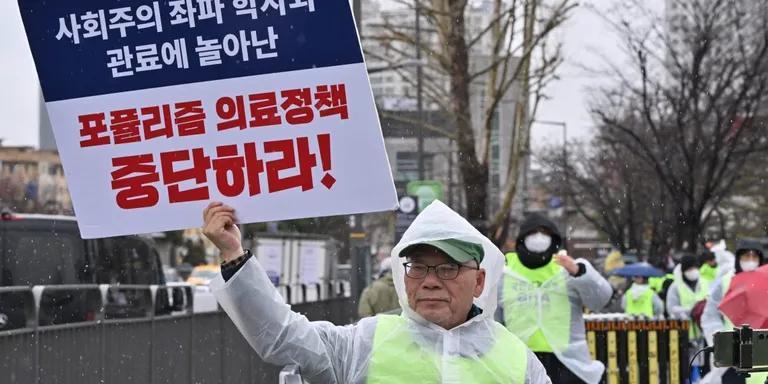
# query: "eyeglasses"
[447,271]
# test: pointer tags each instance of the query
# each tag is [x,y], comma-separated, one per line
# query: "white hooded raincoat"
[340,354]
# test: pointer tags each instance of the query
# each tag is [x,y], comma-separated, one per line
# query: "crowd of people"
[693,291]
[449,306]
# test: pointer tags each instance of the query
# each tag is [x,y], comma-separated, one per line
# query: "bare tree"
[515,41]
[745,212]
[688,102]
[604,188]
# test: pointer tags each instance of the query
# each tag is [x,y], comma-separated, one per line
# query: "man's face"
[443,302]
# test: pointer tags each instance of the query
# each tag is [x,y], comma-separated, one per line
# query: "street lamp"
[419,87]
[564,126]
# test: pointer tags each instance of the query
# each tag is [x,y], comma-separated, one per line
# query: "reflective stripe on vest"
[642,305]
[536,305]
[397,358]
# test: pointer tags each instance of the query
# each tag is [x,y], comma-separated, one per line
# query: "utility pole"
[359,251]
[419,100]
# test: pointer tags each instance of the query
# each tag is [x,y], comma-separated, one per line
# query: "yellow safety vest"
[707,276]
[397,358]
[689,298]
[536,305]
[642,305]
[657,283]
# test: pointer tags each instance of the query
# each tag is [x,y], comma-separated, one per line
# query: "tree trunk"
[688,231]
[474,173]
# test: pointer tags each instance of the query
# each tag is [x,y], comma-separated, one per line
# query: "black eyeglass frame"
[407,266]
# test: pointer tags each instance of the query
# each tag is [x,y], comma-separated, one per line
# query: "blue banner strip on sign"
[96,47]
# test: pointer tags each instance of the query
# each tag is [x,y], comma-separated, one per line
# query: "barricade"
[639,351]
[126,334]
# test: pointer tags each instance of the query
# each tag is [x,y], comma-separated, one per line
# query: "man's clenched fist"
[220,227]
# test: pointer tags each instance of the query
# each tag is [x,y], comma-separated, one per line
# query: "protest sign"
[159,107]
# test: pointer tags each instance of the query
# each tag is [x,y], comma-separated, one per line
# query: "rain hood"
[439,222]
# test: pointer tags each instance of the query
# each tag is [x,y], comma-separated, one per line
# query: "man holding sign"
[159,107]
[445,274]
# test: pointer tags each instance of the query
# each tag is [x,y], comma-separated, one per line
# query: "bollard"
[653,357]
[638,350]
[591,339]
[632,355]
[613,355]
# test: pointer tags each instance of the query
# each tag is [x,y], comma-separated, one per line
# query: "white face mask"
[538,242]
[692,274]
[748,266]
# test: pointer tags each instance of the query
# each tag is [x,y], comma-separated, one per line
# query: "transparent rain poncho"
[403,348]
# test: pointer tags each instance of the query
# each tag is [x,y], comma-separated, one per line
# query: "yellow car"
[203,274]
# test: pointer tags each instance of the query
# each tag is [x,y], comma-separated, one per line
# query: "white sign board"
[159,108]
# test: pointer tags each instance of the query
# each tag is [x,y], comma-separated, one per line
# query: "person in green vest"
[445,275]
[641,300]
[687,290]
[709,269]
[543,294]
[661,284]
[749,256]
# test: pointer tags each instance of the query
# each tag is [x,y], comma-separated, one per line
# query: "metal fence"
[639,351]
[156,346]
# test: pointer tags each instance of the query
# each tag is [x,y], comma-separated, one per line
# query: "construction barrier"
[639,351]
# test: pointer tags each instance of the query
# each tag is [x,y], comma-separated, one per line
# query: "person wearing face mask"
[445,274]
[687,290]
[542,296]
[749,256]
[641,300]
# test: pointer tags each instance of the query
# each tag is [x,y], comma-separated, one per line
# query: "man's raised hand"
[220,227]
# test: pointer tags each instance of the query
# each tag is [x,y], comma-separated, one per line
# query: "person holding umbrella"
[719,310]
[640,299]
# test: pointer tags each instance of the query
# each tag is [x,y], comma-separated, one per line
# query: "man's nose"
[431,280]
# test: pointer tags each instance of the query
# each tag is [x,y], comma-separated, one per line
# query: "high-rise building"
[393,73]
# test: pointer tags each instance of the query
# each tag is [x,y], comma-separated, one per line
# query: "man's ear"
[479,282]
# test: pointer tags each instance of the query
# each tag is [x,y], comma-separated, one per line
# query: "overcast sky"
[582,35]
